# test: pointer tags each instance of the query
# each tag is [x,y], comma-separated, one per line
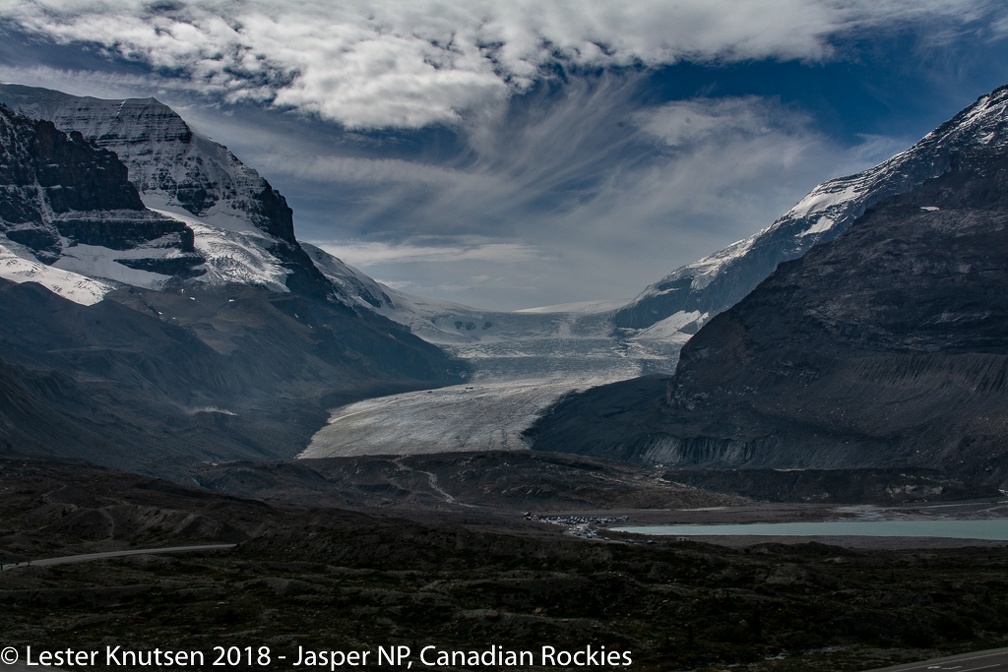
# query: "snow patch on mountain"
[824,196]
[705,270]
[220,216]
[823,225]
[18,264]
[96,261]
[671,329]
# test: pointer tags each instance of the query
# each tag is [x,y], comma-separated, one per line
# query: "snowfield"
[18,264]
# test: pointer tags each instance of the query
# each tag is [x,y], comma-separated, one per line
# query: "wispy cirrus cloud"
[580,189]
[411,63]
[478,270]
[429,249]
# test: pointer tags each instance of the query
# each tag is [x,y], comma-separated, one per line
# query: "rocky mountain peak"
[883,348]
[712,284]
[245,229]
[62,197]
[172,165]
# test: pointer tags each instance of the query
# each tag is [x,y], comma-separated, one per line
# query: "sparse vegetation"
[339,579]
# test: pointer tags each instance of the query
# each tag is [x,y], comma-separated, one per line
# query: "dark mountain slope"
[157,380]
[245,374]
[886,348]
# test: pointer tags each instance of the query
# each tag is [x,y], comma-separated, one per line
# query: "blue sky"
[508,155]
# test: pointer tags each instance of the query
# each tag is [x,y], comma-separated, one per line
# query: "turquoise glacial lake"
[987,529]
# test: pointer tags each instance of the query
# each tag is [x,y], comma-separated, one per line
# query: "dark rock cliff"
[59,190]
[175,167]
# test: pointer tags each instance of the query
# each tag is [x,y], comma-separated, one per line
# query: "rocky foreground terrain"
[334,578]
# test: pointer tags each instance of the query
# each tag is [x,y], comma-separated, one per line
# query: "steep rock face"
[168,161]
[178,169]
[706,287]
[59,192]
[887,347]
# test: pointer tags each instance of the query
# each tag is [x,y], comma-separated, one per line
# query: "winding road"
[995,660]
[87,557]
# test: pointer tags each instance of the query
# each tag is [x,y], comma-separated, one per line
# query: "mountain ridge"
[884,347]
[694,293]
[180,171]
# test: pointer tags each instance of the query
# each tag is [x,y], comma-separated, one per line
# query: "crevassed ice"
[234,256]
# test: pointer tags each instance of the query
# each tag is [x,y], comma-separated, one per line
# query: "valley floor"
[324,578]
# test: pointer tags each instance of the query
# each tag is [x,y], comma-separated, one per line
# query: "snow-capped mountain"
[556,329]
[173,166]
[430,319]
[692,294]
[151,339]
[242,228]
[69,216]
[242,233]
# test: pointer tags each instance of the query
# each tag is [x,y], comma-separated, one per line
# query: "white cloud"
[90,82]
[411,63]
[367,254]
[689,122]
[608,196]
[473,270]
[601,192]
[570,192]
[349,170]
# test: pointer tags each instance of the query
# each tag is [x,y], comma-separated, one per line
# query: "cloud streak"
[428,250]
[412,63]
[604,192]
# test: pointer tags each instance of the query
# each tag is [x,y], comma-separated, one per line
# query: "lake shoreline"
[773,513]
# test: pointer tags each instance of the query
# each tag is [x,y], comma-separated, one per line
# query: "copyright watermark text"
[264,657]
